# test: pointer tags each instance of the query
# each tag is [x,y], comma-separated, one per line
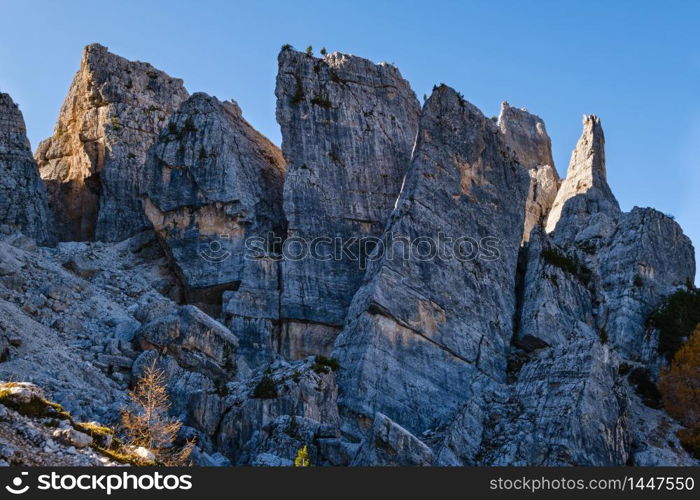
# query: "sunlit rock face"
[423,333]
[348,128]
[23,202]
[526,135]
[634,259]
[92,165]
[587,176]
[215,184]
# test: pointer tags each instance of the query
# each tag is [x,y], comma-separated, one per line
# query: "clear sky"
[636,64]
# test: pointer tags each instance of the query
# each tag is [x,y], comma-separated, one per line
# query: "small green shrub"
[323,364]
[321,101]
[287,46]
[676,319]
[189,125]
[323,51]
[266,388]
[309,51]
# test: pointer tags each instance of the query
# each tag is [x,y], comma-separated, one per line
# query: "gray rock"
[568,406]
[92,165]
[301,392]
[214,183]
[526,135]
[73,437]
[585,189]
[23,200]
[412,347]
[348,126]
[391,444]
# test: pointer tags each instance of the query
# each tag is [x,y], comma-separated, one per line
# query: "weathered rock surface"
[92,165]
[526,135]
[568,407]
[585,189]
[522,343]
[415,350]
[301,389]
[213,184]
[557,307]
[348,127]
[37,432]
[634,259]
[23,201]
[390,444]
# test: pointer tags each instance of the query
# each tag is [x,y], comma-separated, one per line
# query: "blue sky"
[636,64]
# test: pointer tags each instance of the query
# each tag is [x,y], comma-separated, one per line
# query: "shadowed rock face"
[348,127]
[526,136]
[213,183]
[421,332]
[23,202]
[92,164]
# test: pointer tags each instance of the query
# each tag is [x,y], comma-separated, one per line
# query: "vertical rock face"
[425,328]
[557,306]
[586,176]
[92,164]
[646,258]
[348,127]
[214,182]
[526,135]
[22,195]
[571,409]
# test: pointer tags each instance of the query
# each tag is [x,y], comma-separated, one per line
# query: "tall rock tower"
[22,195]
[92,165]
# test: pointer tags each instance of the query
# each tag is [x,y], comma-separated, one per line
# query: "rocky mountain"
[92,165]
[395,285]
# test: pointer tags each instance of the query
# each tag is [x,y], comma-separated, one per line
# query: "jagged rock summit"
[484,313]
[92,165]
[526,135]
[348,128]
[23,202]
[587,176]
[416,349]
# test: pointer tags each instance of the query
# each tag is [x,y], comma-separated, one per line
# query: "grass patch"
[36,407]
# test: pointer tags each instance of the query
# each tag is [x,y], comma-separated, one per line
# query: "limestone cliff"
[478,311]
[23,202]
[526,135]
[348,127]
[417,347]
[92,164]
[213,182]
